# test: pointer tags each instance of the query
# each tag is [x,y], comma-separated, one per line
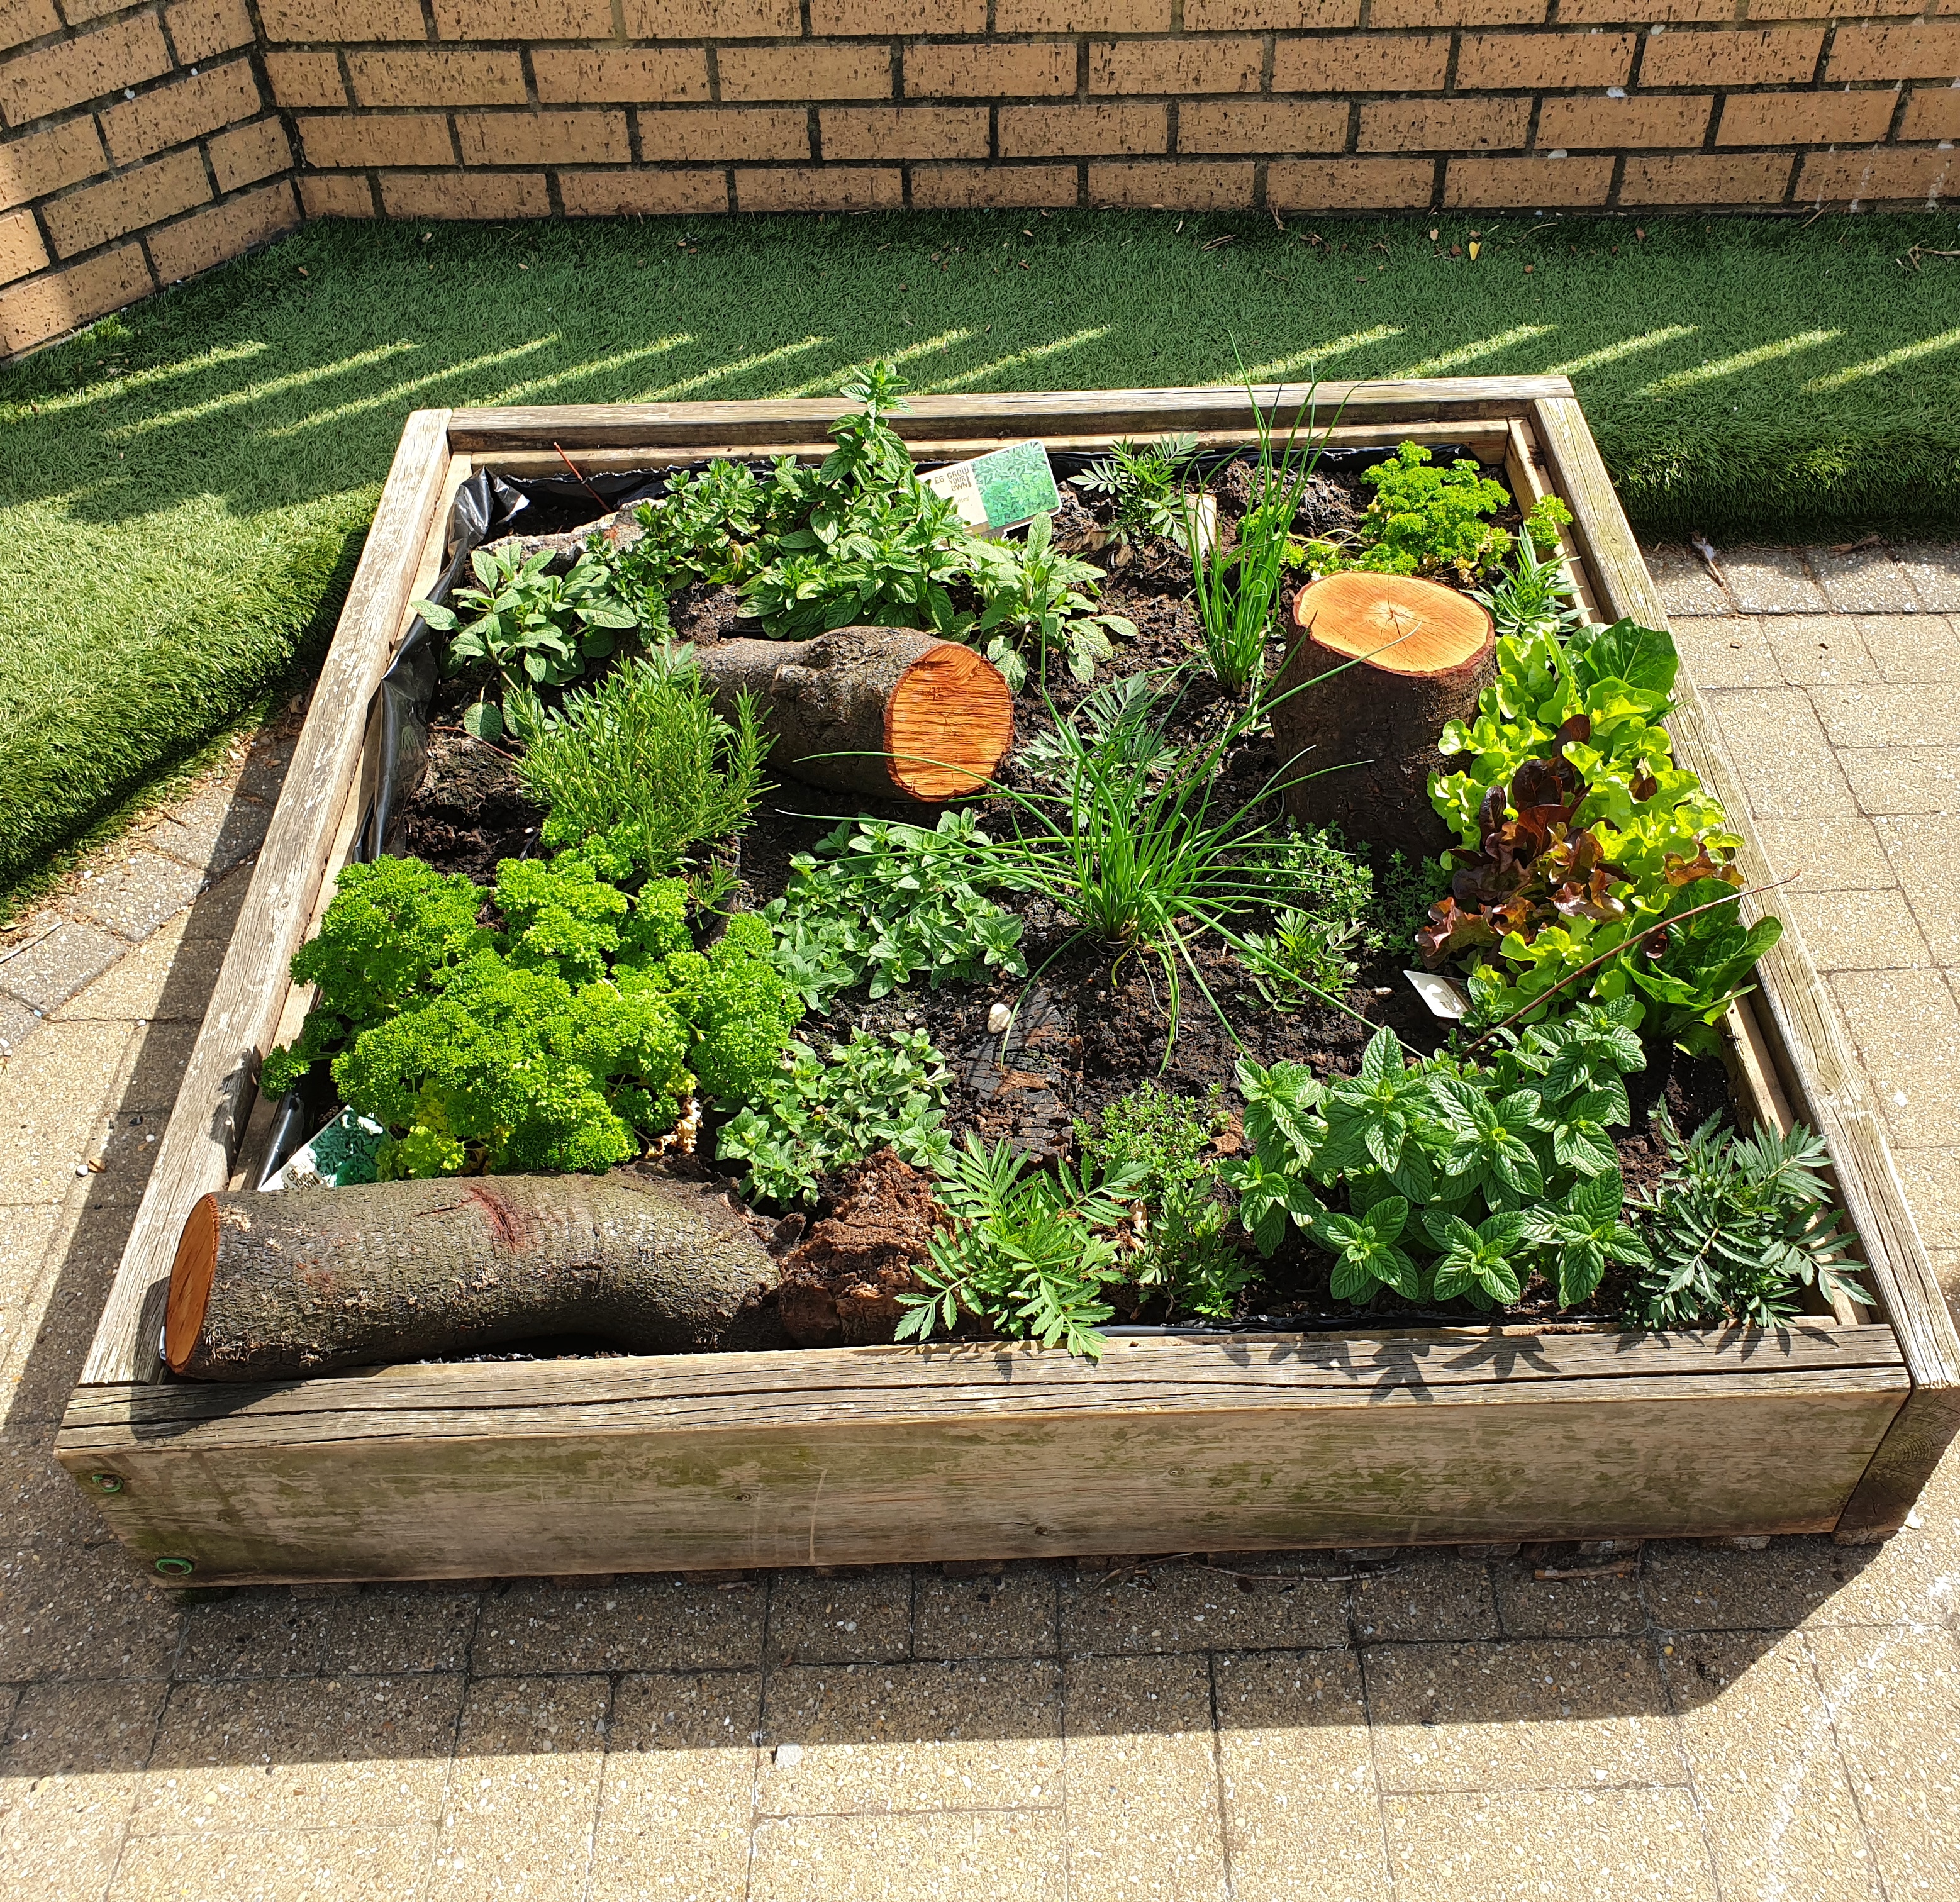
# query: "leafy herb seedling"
[1143,483]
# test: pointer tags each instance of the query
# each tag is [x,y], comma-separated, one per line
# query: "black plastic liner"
[486,508]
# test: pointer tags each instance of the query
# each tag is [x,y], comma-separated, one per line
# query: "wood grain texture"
[1796,1008]
[1096,415]
[864,1455]
[215,1098]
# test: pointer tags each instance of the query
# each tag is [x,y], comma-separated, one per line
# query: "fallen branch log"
[266,1286]
[885,712]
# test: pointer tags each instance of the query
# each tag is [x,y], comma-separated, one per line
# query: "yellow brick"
[433,78]
[201,30]
[93,216]
[1350,184]
[1929,51]
[712,19]
[670,76]
[341,21]
[355,141]
[1461,12]
[1082,16]
[1748,56]
[226,230]
[1877,177]
[960,188]
[719,136]
[903,131]
[1366,63]
[466,195]
[1061,132]
[1507,62]
[306,79]
[820,188]
[1617,13]
[21,249]
[543,138]
[1706,179]
[336,195]
[1174,185]
[1040,69]
[44,162]
[1261,125]
[1503,183]
[817,69]
[642,193]
[1443,125]
[893,18]
[1269,16]
[248,153]
[45,306]
[1804,118]
[107,60]
[21,20]
[1932,112]
[524,19]
[185,109]
[1181,66]
[1595,122]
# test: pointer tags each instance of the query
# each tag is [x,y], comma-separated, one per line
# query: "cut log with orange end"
[885,712]
[1380,664]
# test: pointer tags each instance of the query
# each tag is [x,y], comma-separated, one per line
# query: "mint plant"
[1460,1178]
[532,629]
[1035,599]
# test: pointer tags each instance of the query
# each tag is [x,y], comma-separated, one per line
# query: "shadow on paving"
[1426,1641]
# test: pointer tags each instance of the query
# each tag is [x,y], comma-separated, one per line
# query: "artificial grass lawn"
[184,487]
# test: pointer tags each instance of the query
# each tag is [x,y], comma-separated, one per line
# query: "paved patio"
[1683,1722]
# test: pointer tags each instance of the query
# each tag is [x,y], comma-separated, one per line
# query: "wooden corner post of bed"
[1795,1011]
[194,1156]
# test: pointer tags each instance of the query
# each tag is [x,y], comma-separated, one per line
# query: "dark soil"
[1087,1031]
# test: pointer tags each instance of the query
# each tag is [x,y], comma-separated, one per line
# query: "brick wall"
[141,143]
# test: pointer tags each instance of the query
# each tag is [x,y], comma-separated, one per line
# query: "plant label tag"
[1444,996]
[1001,490]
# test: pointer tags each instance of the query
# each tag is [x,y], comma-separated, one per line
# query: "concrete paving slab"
[653,1622]
[256,1865]
[1903,779]
[1686,586]
[53,958]
[1771,580]
[1934,570]
[213,829]
[1856,930]
[1014,1856]
[1912,650]
[1010,1615]
[1906,1025]
[1606,1607]
[1864,580]
[1726,651]
[1813,648]
[133,898]
[1426,1596]
[856,1618]
[1888,716]
[1180,1608]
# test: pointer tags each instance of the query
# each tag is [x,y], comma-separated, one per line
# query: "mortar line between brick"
[1361,1656]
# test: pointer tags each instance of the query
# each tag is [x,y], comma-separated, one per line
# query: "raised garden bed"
[1291,1429]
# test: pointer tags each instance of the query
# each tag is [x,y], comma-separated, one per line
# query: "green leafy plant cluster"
[881,904]
[1737,1226]
[532,628]
[1038,598]
[1031,1251]
[703,528]
[643,761]
[816,1116]
[566,1041]
[1427,520]
[1325,896]
[1144,484]
[1580,834]
[1460,1179]
[1165,1145]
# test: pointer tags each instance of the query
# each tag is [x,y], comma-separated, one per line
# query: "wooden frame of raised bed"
[1387,1436]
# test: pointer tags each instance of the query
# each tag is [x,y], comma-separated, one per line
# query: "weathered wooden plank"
[1488,441]
[1094,413]
[1236,1370]
[1625,1460]
[215,1098]
[1801,1015]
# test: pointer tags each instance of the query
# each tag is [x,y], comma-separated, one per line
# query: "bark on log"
[885,712]
[267,1287]
[1421,654]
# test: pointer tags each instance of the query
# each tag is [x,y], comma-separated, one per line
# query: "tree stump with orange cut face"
[1380,664]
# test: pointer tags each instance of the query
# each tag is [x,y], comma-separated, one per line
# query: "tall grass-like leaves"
[1235,589]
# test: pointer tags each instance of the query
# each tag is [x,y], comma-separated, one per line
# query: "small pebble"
[998,1018]
[788,1756]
